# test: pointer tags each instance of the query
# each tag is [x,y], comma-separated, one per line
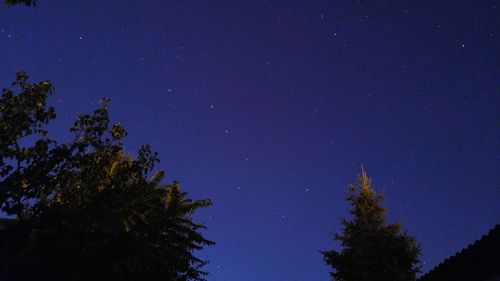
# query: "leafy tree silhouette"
[25,2]
[86,210]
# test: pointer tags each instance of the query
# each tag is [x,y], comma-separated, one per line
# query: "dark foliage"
[85,210]
[372,250]
[25,2]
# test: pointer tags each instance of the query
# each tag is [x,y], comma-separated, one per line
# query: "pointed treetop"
[371,249]
[363,180]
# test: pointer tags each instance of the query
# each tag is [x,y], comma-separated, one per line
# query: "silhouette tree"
[371,249]
[25,2]
[86,210]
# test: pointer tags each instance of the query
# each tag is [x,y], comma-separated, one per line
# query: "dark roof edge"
[463,254]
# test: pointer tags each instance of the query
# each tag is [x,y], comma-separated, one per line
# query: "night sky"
[270,107]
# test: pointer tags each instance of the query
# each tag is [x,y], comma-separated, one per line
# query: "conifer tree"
[371,249]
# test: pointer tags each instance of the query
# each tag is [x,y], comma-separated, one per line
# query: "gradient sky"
[270,107]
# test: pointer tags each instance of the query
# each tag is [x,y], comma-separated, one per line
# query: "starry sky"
[270,107]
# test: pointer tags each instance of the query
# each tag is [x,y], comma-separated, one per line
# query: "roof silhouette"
[480,261]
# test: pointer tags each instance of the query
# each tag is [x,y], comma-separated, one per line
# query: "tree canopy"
[371,249]
[86,210]
[25,2]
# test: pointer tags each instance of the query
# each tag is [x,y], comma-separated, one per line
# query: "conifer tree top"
[371,249]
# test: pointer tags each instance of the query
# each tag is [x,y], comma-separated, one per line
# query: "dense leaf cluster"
[25,2]
[86,210]
[372,250]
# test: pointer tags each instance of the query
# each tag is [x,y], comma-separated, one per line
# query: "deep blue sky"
[270,107]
